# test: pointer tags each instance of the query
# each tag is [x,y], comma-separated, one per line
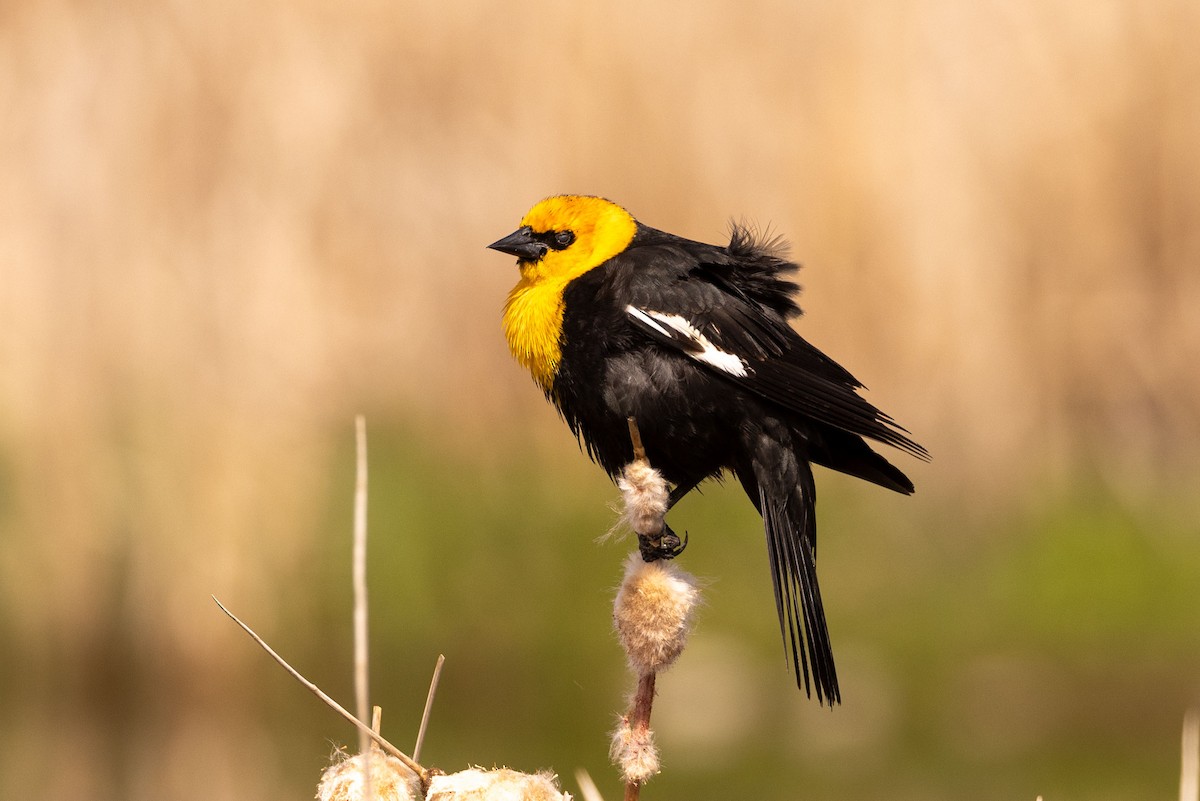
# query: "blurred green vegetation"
[1049,653]
[1048,649]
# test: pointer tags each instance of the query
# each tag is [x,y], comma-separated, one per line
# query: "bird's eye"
[563,239]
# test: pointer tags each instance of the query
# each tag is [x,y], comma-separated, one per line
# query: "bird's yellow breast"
[533,319]
[533,314]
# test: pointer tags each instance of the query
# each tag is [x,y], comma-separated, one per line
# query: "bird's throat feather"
[533,319]
[533,315]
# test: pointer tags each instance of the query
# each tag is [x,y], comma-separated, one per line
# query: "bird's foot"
[666,545]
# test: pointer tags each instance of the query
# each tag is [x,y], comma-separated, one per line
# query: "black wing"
[730,311]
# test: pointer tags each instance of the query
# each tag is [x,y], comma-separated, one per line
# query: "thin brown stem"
[332,704]
[643,702]
[433,684]
[587,787]
[1189,779]
[639,721]
[361,662]
[635,436]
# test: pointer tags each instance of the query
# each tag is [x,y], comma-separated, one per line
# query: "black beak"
[520,243]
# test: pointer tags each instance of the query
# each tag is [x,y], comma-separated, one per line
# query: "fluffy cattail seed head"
[501,784]
[634,752]
[653,613]
[391,779]
[645,494]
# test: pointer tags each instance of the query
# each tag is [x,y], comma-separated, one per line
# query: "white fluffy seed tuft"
[500,784]
[634,752]
[653,613]
[391,779]
[645,493]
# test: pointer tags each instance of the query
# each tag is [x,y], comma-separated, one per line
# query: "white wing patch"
[699,347]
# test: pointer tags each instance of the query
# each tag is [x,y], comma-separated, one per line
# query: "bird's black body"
[693,342]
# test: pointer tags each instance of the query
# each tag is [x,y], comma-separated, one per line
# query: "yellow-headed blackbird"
[615,320]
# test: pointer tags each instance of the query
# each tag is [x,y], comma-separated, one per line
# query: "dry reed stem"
[361,662]
[1189,776]
[359,559]
[587,787]
[334,705]
[433,685]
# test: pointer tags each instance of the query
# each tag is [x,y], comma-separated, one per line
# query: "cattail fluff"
[391,779]
[645,493]
[634,752]
[501,784]
[653,613]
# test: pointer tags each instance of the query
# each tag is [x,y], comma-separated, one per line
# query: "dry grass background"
[225,227]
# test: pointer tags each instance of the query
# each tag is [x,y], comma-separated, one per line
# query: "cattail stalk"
[652,613]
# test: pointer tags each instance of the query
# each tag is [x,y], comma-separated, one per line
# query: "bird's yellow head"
[566,235]
[559,239]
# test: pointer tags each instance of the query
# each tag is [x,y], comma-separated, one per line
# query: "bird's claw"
[666,545]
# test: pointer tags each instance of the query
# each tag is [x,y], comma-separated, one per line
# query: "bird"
[616,320]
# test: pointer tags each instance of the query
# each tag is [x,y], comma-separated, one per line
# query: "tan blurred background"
[227,227]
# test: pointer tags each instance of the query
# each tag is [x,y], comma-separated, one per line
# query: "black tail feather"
[848,453]
[786,603]
[790,523]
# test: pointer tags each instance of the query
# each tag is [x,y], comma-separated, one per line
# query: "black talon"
[666,545]
[671,544]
